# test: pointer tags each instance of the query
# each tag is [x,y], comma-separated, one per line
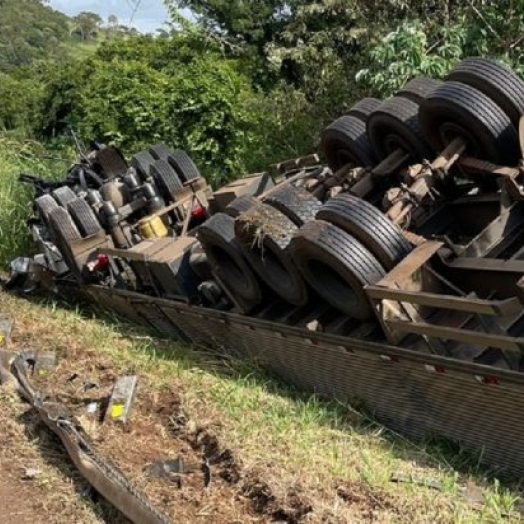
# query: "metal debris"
[6,327]
[430,483]
[121,399]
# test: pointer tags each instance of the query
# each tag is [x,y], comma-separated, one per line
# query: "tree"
[87,24]
[112,21]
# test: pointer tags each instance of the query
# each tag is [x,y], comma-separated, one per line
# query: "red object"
[102,263]
[198,212]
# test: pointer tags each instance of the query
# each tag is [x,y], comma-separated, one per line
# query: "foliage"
[86,25]
[432,47]
[15,198]
[406,53]
[136,93]
[29,31]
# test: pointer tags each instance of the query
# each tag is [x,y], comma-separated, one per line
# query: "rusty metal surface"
[419,395]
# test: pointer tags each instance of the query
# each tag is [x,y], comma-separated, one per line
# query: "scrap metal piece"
[103,475]
[6,327]
[122,398]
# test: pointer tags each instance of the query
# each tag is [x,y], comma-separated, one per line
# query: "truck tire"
[265,234]
[64,195]
[394,125]
[166,179]
[369,226]
[184,166]
[160,151]
[240,205]
[337,266]
[43,207]
[64,232]
[217,236]
[142,162]
[418,89]
[456,109]
[298,204]
[345,142]
[496,81]
[84,218]
[363,108]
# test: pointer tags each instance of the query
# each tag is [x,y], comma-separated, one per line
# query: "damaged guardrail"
[104,476]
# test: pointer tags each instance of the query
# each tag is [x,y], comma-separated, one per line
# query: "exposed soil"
[213,485]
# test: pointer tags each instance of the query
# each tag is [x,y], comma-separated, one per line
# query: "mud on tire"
[337,267]
[369,226]
[265,234]
[298,204]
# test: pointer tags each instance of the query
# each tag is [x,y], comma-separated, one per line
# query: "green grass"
[18,157]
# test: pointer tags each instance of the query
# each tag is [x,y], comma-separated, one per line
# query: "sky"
[151,15]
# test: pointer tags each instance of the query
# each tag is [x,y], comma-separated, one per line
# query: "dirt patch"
[16,505]
[234,456]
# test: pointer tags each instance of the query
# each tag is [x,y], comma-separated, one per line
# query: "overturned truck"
[391,275]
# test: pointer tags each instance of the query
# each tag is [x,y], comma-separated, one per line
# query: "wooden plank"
[414,261]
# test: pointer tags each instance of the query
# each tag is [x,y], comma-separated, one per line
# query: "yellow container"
[152,227]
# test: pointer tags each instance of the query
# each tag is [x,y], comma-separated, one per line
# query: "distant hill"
[29,31]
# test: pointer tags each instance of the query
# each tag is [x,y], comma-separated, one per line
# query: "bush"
[15,198]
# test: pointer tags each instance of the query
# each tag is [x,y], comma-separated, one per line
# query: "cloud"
[150,16]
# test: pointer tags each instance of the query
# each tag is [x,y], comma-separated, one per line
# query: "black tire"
[298,204]
[115,192]
[240,205]
[265,234]
[166,179]
[345,142]
[64,195]
[226,257]
[64,232]
[456,109]
[393,125]
[184,166]
[84,218]
[63,226]
[418,89]
[160,151]
[496,81]
[44,205]
[142,162]
[369,226]
[363,108]
[337,266]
